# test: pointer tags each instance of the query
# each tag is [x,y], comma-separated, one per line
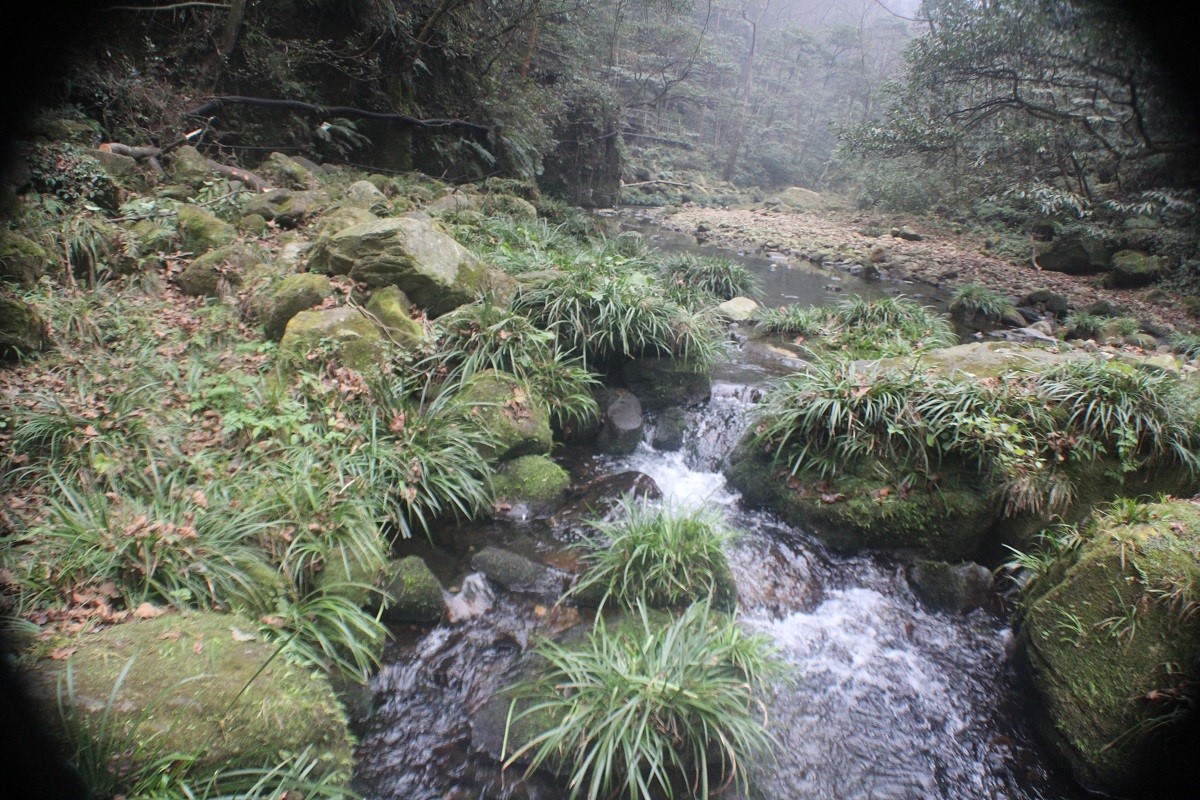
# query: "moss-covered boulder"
[435,271]
[510,206]
[287,208]
[415,593]
[857,511]
[530,486]
[365,195]
[1075,254]
[217,270]
[506,408]
[391,309]
[275,305]
[662,382]
[516,573]
[352,338]
[200,231]
[205,686]
[188,167]
[286,173]
[22,260]
[251,225]
[950,587]
[22,329]
[1110,642]
[1132,269]
[453,201]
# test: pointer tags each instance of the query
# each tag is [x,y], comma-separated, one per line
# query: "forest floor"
[942,257]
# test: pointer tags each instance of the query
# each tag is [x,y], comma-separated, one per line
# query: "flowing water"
[888,700]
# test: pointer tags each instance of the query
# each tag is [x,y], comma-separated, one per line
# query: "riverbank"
[923,250]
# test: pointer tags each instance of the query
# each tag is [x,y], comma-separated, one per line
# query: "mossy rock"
[1106,641]
[510,206]
[286,173]
[22,260]
[535,482]
[435,271]
[251,225]
[954,588]
[22,329]
[453,201]
[506,408]
[188,168]
[983,359]
[516,573]
[414,592]
[391,308]
[200,231]
[183,694]
[663,382]
[287,208]
[354,340]
[223,267]
[1132,269]
[1075,254]
[853,512]
[367,196]
[278,303]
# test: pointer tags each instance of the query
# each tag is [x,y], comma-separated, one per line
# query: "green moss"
[22,260]
[1105,630]
[22,329]
[506,408]
[535,481]
[414,591]
[184,693]
[278,303]
[353,338]
[200,231]
[206,275]
[391,308]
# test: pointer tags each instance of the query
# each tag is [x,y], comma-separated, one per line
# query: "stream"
[888,701]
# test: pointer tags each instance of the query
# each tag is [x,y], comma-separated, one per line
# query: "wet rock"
[277,304]
[185,697]
[955,588]
[391,309]
[516,573]
[22,260]
[22,329]
[435,271]
[622,423]
[663,382]
[738,309]
[1093,640]
[596,499]
[669,430]
[517,419]
[415,593]
[200,231]
[354,339]
[530,486]
[1132,269]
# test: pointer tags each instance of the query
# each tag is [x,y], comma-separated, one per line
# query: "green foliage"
[718,277]
[647,712]
[971,299]
[68,173]
[1085,326]
[1186,345]
[791,320]
[657,555]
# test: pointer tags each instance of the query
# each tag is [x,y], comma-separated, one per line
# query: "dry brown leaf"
[62,653]
[148,611]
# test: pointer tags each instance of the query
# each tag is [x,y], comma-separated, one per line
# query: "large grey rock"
[622,423]
[287,208]
[435,271]
[278,303]
[738,309]
[355,340]
[951,587]
[216,271]
[286,173]
[365,195]
[517,573]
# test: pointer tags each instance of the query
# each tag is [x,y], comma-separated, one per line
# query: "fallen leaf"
[242,636]
[170,636]
[881,494]
[148,611]
[829,497]
[62,653]
[197,647]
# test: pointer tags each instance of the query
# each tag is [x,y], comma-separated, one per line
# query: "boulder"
[251,225]
[1108,642]
[286,173]
[662,382]
[354,339]
[530,486]
[1074,254]
[1132,269]
[621,423]
[275,305]
[435,271]
[1048,300]
[669,430]
[955,588]
[738,309]
[453,201]
[123,169]
[22,260]
[515,417]
[203,686]
[598,498]
[22,329]
[189,168]
[287,208]
[365,195]
[216,270]
[516,573]
[414,592]
[802,199]
[200,231]
[510,206]
[391,309]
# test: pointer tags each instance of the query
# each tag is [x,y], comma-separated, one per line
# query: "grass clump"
[973,300]
[721,278]
[858,328]
[649,710]
[658,555]
[1186,344]
[791,320]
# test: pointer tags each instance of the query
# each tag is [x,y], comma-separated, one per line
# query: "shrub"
[857,328]
[791,320]
[1186,344]
[719,277]
[1081,325]
[657,555]
[971,299]
[650,711]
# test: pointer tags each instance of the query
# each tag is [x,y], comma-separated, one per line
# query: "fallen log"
[214,104]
